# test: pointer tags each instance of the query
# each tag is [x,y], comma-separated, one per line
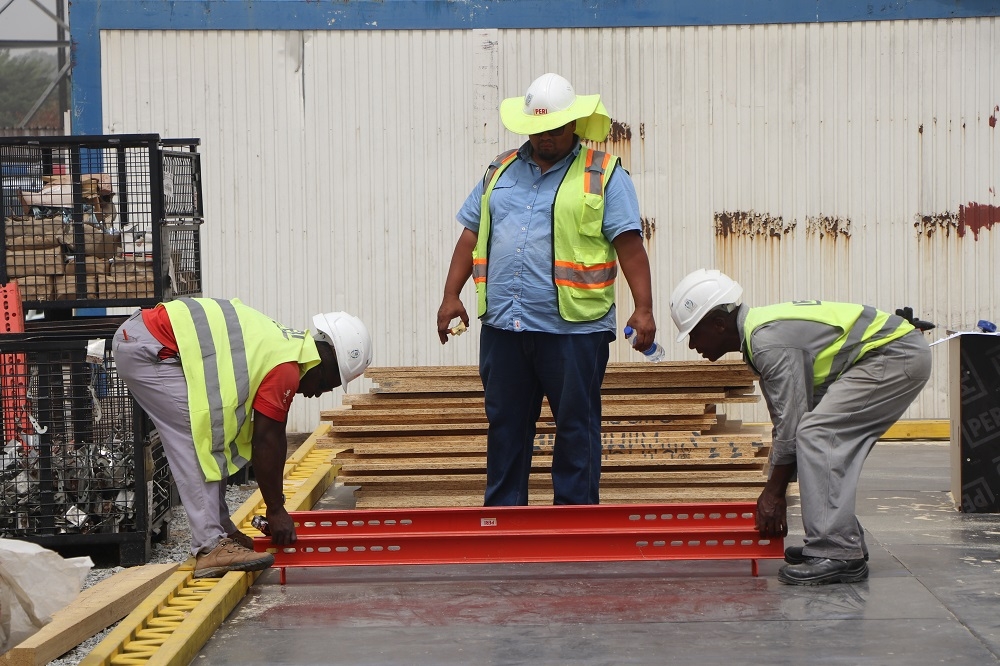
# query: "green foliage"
[23,79]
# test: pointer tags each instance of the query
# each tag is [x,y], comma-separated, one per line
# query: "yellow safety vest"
[226,350]
[585,264]
[862,327]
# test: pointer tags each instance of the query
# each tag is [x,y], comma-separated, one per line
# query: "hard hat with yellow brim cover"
[551,102]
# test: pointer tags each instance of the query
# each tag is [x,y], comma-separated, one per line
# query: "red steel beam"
[472,535]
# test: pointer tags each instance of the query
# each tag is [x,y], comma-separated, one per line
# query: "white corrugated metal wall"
[853,161]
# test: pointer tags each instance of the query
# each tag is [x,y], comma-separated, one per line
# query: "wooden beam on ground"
[351,466]
[414,499]
[919,429]
[95,609]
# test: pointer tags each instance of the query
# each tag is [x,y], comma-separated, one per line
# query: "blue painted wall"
[89,17]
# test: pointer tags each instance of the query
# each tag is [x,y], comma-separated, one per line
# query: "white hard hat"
[547,94]
[699,293]
[551,102]
[350,339]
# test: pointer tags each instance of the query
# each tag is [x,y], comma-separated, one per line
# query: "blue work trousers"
[518,370]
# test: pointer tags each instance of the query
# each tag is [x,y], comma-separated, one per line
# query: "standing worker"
[835,376]
[544,232]
[217,379]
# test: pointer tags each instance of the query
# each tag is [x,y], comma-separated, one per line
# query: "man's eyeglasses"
[559,131]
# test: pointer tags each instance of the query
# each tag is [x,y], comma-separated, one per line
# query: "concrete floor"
[932,597]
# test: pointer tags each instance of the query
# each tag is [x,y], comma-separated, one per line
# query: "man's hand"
[644,325]
[772,515]
[280,526]
[451,307]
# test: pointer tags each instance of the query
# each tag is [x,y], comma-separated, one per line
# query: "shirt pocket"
[502,198]
[592,219]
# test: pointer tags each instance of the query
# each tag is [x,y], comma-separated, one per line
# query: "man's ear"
[720,322]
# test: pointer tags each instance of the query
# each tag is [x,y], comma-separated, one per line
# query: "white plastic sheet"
[35,582]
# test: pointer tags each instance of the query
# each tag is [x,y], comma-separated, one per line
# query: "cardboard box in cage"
[33,232]
[122,268]
[35,287]
[96,242]
[66,287]
[121,287]
[21,263]
[91,266]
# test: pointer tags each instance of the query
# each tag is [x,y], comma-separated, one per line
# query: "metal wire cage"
[81,469]
[94,221]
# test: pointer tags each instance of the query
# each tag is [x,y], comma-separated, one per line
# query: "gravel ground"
[174,548]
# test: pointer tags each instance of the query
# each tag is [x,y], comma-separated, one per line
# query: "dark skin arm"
[458,274]
[634,263]
[772,508]
[270,446]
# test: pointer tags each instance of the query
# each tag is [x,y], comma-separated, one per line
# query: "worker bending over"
[835,376]
[217,379]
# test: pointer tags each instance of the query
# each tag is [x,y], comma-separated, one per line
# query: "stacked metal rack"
[87,222]
[81,470]
[99,221]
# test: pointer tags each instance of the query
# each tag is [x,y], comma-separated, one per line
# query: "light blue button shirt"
[521,293]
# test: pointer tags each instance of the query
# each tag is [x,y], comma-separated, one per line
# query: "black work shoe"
[823,571]
[793,555]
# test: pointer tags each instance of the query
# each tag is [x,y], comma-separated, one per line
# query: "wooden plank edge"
[95,609]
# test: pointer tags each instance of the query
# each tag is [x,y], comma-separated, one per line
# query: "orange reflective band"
[584,285]
[593,179]
[585,267]
[598,276]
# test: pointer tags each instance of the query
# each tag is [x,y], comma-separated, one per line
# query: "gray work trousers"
[161,390]
[834,439]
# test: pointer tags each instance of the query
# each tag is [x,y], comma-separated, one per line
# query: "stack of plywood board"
[418,439]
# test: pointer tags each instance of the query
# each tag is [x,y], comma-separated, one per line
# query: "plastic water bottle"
[654,354]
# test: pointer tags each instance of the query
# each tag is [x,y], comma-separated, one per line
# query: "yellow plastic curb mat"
[178,618]
[915,429]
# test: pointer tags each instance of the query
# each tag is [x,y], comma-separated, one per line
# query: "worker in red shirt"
[217,379]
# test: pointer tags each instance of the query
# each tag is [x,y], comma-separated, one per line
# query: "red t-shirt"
[274,397]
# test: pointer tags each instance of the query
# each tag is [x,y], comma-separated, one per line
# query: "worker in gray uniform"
[834,376]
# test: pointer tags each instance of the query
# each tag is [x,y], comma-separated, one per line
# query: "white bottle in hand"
[654,354]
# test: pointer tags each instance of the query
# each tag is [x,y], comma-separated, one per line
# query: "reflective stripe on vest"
[213,385]
[493,171]
[584,262]
[862,327]
[226,350]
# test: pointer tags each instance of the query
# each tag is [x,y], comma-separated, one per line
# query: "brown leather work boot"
[241,539]
[230,556]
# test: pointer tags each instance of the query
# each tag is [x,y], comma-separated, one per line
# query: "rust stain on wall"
[972,217]
[619,132]
[930,224]
[975,217]
[828,225]
[993,116]
[751,224]
[619,142]
[648,227]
